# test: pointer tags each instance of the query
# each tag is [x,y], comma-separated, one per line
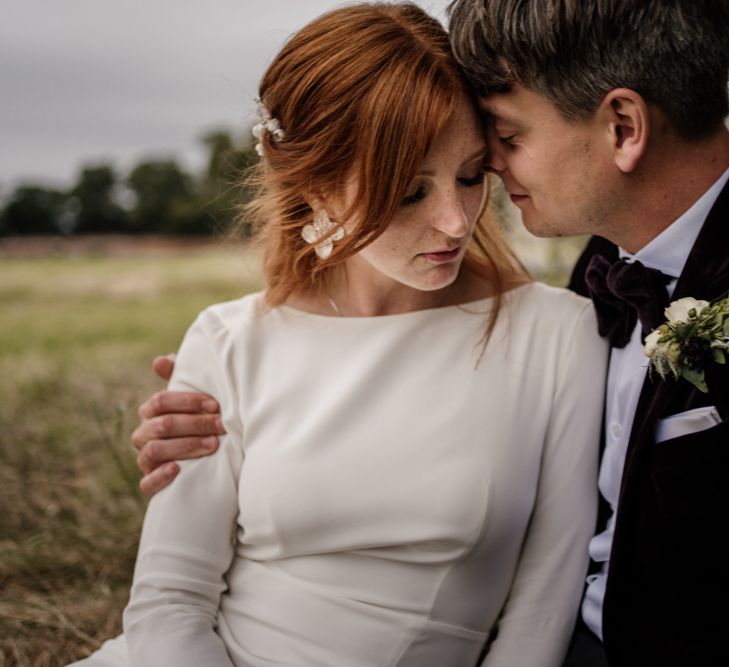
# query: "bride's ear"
[319,201]
[316,202]
[628,121]
[332,204]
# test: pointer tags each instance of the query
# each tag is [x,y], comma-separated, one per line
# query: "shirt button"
[615,430]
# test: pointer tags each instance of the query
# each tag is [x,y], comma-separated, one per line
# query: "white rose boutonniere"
[680,311]
[696,333]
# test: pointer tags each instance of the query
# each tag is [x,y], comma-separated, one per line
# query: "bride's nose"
[450,218]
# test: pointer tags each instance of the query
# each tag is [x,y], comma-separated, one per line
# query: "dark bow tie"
[624,292]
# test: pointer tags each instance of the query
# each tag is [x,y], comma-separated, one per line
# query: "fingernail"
[210,405]
[210,443]
[171,469]
[219,425]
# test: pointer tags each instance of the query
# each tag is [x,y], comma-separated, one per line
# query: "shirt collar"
[669,251]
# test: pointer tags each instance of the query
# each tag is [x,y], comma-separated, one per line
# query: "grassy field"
[77,335]
[78,330]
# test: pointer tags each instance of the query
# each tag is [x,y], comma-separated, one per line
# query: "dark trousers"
[586,650]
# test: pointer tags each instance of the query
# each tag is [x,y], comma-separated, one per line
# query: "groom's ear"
[628,120]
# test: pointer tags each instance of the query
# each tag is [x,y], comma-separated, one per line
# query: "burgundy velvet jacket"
[667,596]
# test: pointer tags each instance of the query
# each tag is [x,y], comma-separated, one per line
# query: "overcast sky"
[83,81]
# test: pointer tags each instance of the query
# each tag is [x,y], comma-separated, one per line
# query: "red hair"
[362,91]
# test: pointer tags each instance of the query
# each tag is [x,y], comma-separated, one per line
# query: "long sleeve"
[538,618]
[187,541]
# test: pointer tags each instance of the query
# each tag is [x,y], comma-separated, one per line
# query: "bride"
[408,471]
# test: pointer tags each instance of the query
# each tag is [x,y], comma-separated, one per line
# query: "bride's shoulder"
[549,305]
[538,292]
[555,320]
[232,316]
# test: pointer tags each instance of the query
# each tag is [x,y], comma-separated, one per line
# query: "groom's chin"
[539,227]
[549,228]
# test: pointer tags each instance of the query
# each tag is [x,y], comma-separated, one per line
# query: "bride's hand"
[174,425]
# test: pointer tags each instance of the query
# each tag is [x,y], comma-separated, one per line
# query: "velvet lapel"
[705,276]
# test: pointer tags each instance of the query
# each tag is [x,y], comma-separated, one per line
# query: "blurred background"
[123,128]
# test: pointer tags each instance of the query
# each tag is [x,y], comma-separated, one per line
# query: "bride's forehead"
[462,138]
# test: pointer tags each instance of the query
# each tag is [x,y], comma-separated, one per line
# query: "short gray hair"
[674,53]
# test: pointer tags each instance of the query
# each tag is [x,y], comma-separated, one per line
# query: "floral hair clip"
[266,123]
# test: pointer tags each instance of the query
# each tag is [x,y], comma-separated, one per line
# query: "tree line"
[156,196]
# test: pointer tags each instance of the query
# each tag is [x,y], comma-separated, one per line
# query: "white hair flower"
[266,124]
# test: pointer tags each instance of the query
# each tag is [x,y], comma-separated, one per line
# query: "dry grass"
[77,334]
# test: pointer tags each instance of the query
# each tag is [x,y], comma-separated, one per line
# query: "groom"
[607,117]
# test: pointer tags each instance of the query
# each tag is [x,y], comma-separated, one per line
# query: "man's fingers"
[156,453]
[158,479]
[163,366]
[173,402]
[176,426]
[167,427]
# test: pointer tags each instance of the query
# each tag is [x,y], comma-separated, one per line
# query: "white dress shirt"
[668,253]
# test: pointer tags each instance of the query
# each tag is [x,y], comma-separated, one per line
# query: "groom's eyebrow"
[485,106]
[487,117]
[487,120]
[500,120]
[490,113]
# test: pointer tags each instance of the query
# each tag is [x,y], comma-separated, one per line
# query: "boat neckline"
[460,306]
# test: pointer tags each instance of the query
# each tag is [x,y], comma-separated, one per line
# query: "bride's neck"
[348,298]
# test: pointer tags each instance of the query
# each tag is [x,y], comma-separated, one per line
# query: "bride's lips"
[442,256]
[516,199]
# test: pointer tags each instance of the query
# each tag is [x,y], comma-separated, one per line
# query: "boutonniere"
[696,334]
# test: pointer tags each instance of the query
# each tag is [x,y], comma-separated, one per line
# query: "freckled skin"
[398,265]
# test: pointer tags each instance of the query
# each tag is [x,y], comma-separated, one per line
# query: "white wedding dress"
[387,491]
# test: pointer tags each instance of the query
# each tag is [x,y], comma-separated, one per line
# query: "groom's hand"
[174,425]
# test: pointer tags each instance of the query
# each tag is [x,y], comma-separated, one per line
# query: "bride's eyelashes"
[467,181]
[477,179]
[415,197]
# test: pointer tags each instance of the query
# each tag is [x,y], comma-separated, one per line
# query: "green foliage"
[223,189]
[166,199]
[32,210]
[93,203]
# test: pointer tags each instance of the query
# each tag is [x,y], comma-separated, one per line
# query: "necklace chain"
[334,305]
